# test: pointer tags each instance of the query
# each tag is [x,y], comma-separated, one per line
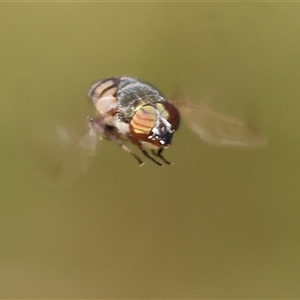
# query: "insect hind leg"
[109,133]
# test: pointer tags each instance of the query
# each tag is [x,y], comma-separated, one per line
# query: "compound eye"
[143,120]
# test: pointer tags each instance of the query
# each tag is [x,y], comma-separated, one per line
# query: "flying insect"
[130,110]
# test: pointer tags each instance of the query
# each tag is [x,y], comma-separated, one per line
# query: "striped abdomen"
[103,94]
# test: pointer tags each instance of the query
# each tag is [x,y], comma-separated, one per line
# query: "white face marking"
[158,130]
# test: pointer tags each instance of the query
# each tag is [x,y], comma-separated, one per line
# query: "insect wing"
[221,129]
[77,153]
[88,142]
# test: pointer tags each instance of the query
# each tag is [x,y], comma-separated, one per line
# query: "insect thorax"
[132,94]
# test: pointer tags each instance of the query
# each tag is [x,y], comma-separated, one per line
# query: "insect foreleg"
[159,154]
[150,157]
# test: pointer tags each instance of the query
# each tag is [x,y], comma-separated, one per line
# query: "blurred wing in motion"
[61,155]
[220,129]
[77,152]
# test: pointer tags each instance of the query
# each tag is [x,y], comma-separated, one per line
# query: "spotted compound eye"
[155,123]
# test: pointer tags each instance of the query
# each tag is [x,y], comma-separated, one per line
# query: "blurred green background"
[219,223]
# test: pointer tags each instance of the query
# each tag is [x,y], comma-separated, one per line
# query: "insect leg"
[140,146]
[159,154]
[149,156]
[108,133]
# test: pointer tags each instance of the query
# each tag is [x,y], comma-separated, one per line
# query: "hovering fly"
[130,110]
